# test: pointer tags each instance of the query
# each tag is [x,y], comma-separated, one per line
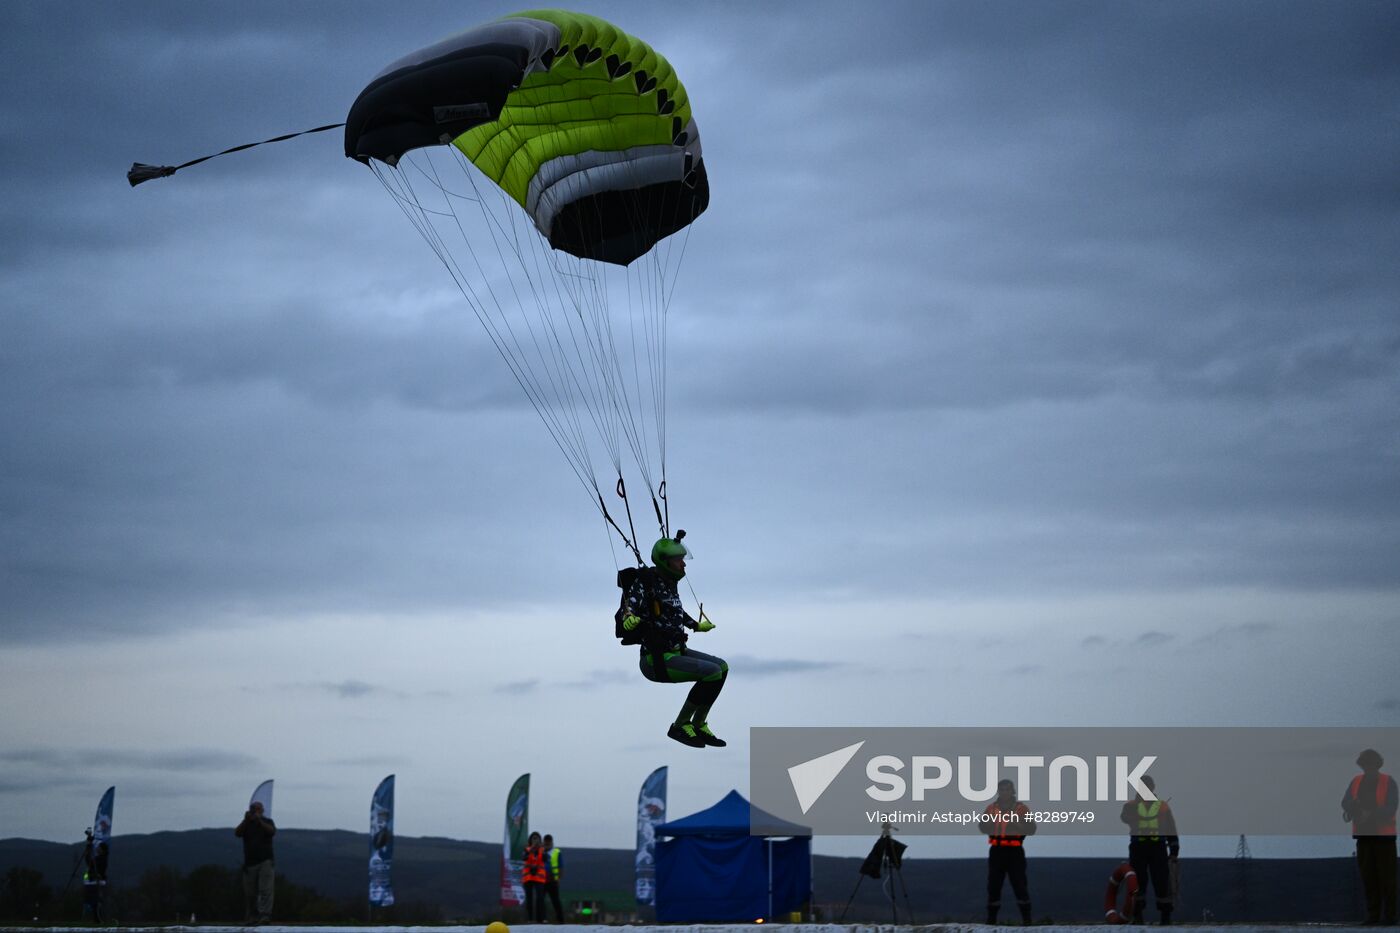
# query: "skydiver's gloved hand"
[629,622]
[704,625]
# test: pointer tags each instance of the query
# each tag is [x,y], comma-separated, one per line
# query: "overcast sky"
[1034,364]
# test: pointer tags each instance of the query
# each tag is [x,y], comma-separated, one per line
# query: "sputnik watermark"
[1218,781]
[879,818]
[1121,782]
[1117,778]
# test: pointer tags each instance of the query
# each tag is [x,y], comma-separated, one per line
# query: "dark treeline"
[208,894]
[323,878]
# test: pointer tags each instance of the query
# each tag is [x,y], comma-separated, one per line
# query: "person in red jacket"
[1369,806]
[1007,825]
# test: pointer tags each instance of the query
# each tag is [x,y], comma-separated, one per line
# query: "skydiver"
[652,615]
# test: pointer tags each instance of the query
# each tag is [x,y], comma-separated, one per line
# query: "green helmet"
[667,548]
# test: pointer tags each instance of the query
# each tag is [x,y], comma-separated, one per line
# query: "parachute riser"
[631,546]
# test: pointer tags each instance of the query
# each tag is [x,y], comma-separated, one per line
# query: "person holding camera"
[1007,824]
[94,878]
[259,874]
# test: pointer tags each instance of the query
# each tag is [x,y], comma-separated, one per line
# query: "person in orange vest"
[1153,847]
[1369,806]
[533,877]
[1007,823]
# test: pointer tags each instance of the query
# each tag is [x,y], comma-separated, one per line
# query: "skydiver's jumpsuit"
[665,658]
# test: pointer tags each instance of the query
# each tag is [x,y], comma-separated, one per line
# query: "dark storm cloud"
[183,760]
[1244,631]
[368,761]
[1125,270]
[345,689]
[769,667]
[1153,639]
[599,678]
[1083,201]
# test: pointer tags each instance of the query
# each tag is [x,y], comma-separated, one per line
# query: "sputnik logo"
[811,778]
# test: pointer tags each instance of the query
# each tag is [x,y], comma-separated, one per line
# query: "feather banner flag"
[513,848]
[381,844]
[263,795]
[651,812]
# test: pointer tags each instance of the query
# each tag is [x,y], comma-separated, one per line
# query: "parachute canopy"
[584,126]
[546,159]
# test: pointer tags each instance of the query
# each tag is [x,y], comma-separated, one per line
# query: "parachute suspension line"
[665,313]
[613,381]
[666,520]
[580,376]
[652,379]
[622,494]
[557,392]
[590,295]
[622,393]
[505,341]
[636,552]
[587,298]
[649,282]
[418,217]
[612,546]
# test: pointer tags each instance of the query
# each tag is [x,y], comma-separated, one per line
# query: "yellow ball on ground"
[496,926]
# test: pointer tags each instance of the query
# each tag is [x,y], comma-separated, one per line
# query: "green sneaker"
[685,734]
[708,737]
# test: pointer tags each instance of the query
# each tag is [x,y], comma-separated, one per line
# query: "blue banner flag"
[102,822]
[651,812]
[381,844]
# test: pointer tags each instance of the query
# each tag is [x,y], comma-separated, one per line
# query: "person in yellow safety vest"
[1153,847]
[1369,806]
[532,875]
[553,865]
[1007,824]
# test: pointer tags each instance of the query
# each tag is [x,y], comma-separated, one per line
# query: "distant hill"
[461,878]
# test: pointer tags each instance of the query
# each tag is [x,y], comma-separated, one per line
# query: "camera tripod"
[884,862]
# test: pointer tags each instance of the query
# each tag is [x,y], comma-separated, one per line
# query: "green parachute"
[561,122]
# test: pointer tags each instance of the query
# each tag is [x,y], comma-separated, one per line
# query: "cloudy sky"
[1034,364]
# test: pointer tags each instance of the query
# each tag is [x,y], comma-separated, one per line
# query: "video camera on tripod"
[884,862]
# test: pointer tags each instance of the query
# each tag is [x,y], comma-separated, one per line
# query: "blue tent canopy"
[709,867]
[730,815]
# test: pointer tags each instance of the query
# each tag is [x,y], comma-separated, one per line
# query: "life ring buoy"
[1124,879]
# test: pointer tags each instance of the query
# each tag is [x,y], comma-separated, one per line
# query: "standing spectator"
[1369,806]
[1007,825]
[1153,847]
[259,873]
[553,865]
[533,877]
[94,879]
